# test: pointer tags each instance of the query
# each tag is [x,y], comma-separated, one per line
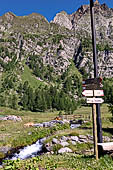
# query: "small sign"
[92,81]
[98,93]
[87,93]
[92,87]
[94,100]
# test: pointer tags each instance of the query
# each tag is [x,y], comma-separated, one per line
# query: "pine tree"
[14,102]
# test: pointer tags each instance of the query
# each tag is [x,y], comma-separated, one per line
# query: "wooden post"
[99,123]
[95,130]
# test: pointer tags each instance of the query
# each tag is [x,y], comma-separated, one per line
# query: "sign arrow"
[98,93]
[87,93]
[94,100]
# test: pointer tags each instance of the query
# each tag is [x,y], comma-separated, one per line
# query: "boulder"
[48,147]
[82,137]
[5,149]
[42,140]
[64,150]
[64,144]
[46,124]
[11,117]
[55,141]
[75,138]
[64,138]
[73,126]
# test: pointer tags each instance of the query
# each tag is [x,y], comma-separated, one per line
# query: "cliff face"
[66,38]
[81,25]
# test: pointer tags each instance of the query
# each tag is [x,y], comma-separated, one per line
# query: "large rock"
[11,117]
[55,141]
[75,138]
[5,149]
[64,144]
[64,150]
[64,138]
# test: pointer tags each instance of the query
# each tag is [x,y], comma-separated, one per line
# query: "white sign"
[98,93]
[87,93]
[94,100]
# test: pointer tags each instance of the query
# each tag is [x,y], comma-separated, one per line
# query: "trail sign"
[92,81]
[91,87]
[92,84]
[94,100]
[87,93]
[98,93]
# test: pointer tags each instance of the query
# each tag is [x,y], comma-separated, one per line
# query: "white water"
[28,151]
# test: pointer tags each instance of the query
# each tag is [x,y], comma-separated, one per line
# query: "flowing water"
[32,150]
[29,151]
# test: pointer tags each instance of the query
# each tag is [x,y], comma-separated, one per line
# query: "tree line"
[41,99]
[45,98]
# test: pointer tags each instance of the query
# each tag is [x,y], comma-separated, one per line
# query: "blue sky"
[47,8]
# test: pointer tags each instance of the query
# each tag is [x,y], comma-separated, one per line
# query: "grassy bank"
[62,162]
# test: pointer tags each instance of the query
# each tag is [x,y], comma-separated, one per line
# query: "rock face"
[63,20]
[66,38]
[83,51]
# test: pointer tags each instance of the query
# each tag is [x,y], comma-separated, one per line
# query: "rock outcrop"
[63,20]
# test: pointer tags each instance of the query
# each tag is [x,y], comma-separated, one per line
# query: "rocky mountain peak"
[62,19]
[104,7]
[96,2]
[9,16]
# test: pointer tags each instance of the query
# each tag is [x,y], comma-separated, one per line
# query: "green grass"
[15,134]
[9,130]
[28,76]
[62,162]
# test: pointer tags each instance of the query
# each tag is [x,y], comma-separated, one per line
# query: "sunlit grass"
[27,75]
[11,131]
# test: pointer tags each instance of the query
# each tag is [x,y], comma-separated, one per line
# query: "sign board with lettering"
[92,81]
[94,100]
[98,93]
[87,93]
[91,87]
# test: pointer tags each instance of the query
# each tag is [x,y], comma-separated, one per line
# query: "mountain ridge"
[49,50]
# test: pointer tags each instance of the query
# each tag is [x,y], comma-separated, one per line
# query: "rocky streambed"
[65,143]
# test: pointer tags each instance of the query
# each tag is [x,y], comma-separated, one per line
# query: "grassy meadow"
[15,134]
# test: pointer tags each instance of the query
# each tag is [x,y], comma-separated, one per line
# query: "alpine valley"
[42,63]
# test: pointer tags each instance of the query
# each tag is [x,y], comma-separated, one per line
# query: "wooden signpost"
[93,88]
[95,131]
